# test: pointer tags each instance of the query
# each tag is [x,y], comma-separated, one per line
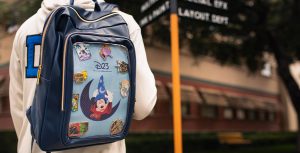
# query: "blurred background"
[239,77]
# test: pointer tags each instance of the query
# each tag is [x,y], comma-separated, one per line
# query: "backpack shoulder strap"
[107,6]
[101,6]
[71,2]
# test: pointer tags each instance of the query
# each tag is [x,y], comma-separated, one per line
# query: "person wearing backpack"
[25,69]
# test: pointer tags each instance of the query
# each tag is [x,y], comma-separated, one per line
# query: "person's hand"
[109,96]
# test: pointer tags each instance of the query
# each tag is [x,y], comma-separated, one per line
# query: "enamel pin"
[75,102]
[83,51]
[124,86]
[105,52]
[78,129]
[122,66]
[116,127]
[80,77]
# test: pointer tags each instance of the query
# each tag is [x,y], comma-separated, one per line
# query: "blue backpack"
[85,91]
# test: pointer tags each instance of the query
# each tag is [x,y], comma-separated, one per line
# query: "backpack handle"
[97,6]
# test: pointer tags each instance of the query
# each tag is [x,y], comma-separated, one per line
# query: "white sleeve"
[16,87]
[146,92]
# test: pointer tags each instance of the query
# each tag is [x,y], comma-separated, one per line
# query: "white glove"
[109,96]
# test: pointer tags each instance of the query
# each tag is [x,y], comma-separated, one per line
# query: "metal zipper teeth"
[42,46]
[64,60]
[46,28]
[91,21]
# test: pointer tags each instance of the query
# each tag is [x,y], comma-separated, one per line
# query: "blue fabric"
[50,125]
[31,42]
[101,87]
[71,2]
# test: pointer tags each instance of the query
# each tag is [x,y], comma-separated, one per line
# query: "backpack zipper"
[46,28]
[42,48]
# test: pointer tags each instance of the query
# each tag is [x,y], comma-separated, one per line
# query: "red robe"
[96,114]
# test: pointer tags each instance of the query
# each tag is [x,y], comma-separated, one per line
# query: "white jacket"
[22,89]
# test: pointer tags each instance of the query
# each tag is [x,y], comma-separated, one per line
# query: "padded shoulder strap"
[107,6]
[101,6]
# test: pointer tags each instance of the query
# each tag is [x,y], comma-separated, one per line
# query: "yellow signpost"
[152,10]
[176,78]
[152,13]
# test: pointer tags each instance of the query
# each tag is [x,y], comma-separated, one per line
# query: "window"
[240,114]
[186,109]
[262,116]
[271,116]
[251,115]
[228,113]
[162,93]
[209,111]
[189,96]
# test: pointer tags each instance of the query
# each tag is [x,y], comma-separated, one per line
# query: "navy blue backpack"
[85,91]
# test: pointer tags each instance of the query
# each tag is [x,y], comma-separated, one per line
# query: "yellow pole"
[176,79]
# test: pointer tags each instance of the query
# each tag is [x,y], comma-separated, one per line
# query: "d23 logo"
[101,66]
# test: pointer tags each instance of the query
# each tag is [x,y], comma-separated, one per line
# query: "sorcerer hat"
[101,90]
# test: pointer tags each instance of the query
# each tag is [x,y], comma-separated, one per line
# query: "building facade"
[214,97]
[5,50]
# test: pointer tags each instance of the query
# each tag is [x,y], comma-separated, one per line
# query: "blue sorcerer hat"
[101,90]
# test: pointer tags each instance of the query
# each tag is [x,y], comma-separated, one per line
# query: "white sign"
[219,4]
[194,14]
[147,5]
[203,16]
[155,13]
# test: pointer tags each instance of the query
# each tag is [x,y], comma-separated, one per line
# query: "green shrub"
[192,143]
[8,142]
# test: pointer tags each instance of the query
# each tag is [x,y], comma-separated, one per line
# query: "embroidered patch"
[124,86]
[75,102]
[122,66]
[83,51]
[80,77]
[105,52]
[116,127]
[78,129]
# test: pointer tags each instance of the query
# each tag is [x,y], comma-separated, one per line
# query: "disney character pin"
[122,66]
[124,86]
[116,127]
[80,77]
[101,105]
[78,129]
[75,102]
[105,52]
[102,101]
[83,51]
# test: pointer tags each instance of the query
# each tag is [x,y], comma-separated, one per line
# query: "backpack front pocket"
[100,102]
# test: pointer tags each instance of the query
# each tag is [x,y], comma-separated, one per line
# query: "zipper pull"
[39,74]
